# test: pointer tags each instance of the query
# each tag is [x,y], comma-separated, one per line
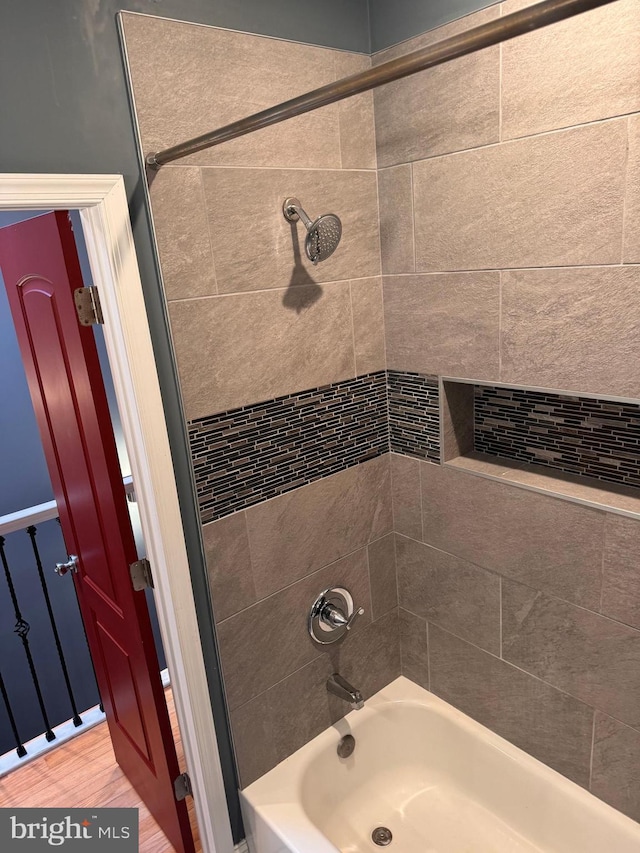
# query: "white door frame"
[104,213]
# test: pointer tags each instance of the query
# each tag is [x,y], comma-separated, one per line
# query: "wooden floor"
[83,773]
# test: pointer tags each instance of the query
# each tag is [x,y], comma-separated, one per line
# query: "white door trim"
[104,213]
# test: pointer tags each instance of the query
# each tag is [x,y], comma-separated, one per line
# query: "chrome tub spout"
[340,687]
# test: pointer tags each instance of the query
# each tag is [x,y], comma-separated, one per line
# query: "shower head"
[323,234]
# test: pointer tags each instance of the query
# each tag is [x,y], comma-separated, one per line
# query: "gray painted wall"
[393,22]
[64,109]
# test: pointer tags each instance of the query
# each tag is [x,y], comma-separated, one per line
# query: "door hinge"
[88,306]
[141,576]
[182,786]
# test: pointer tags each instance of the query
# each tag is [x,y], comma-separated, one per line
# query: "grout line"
[338,114]
[353,330]
[625,187]
[500,285]
[395,563]
[551,132]
[297,580]
[384,330]
[280,168]
[593,741]
[413,219]
[428,657]
[500,612]
[323,652]
[503,578]
[234,708]
[191,163]
[421,501]
[500,59]
[208,223]
[470,270]
[602,562]
[366,557]
[532,675]
[336,282]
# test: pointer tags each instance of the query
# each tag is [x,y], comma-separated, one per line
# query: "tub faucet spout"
[339,686]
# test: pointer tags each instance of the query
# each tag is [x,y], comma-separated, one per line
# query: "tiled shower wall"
[254,322]
[508,188]
[509,201]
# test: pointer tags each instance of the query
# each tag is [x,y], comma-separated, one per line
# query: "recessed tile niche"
[581,448]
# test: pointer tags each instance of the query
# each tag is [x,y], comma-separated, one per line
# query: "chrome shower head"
[323,234]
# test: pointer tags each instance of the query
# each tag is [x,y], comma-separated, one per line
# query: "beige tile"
[621,578]
[273,725]
[575,71]
[482,209]
[632,205]
[548,543]
[456,595]
[300,707]
[453,28]
[405,490]
[443,324]
[368,325]
[236,350]
[448,108]
[548,724]
[485,465]
[269,640]
[182,232]
[357,131]
[226,547]
[189,80]
[615,777]
[253,742]
[382,575]
[297,533]
[540,478]
[256,248]
[395,196]
[370,659]
[571,329]
[414,648]
[585,654]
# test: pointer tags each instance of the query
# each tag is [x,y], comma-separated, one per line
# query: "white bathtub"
[441,783]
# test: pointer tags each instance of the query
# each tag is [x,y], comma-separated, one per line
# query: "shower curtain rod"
[502,29]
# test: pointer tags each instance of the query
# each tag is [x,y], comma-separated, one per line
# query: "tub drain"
[381,836]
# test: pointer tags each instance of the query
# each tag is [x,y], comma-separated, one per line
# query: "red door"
[41,270]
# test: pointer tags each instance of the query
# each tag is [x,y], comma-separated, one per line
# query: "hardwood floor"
[83,772]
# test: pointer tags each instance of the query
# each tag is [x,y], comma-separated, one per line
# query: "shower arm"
[293,210]
[494,32]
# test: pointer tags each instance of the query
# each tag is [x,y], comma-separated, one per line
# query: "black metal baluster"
[21,751]
[22,629]
[31,530]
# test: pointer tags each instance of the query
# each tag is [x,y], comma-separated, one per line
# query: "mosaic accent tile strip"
[577,435]
[414,422]
[247,455]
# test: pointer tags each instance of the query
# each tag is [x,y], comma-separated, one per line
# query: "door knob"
[70,566]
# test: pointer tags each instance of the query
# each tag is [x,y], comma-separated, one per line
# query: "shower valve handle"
[333,616]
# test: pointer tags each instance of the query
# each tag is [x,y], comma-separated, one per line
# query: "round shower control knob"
[332,615]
